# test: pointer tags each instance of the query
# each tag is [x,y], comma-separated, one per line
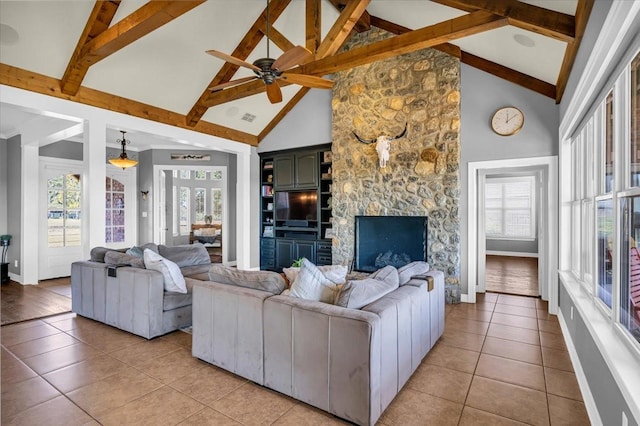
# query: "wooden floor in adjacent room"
[512,275]
[25,302]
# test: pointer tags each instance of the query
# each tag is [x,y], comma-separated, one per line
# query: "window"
[184,174]
[200,174]
[199,194]
[630,270]
[63,211]
[216,175]
[115,213]
[608,144]
[216,204]
[510,208]
[605,212]
[184,202]
[176,215]
[635,121]
[605,250]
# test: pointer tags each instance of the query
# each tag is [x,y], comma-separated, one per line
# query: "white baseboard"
[15,277]
[587,396]
[464,298]
[510,253]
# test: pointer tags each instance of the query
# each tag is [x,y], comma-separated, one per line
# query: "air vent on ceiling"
[248,117]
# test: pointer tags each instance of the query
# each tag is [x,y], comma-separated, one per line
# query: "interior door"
[61,212]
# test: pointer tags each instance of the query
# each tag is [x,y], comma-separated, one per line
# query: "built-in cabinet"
[295,203]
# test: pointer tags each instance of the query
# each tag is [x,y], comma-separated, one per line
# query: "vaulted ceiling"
[149,60]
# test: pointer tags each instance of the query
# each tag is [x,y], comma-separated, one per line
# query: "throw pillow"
[173,279]
[336,273]
[411,269]
[359,293]
[271,282]
[123,259]
[312,284]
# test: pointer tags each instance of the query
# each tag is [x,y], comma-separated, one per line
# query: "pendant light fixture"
[123,161]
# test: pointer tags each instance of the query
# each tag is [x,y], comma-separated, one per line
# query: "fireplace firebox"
[389,240]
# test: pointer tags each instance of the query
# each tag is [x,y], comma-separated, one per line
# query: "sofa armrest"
[324,355]
[228,327]
[131,301]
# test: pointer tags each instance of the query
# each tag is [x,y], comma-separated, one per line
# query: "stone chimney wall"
[421,89]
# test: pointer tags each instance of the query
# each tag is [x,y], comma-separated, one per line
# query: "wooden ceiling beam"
[99,20]
[313,28]
[244,49]
[341,28]
[383,24]
[583,10]
[278,39]
[38,83]
[433,35]
[92,49]
[523,15]
[423,38]
[498,70]
[363,23]
[508,74]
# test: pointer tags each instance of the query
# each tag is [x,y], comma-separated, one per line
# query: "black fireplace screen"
[389,240]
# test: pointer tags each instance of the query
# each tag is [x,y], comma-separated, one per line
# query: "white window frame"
[532,207]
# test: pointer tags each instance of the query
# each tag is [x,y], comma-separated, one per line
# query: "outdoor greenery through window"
[63,211]
[510,207]
[184,201]
[200,204]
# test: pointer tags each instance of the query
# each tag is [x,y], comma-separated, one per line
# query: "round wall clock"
[507,121]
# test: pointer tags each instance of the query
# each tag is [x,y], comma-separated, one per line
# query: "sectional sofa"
[134,298]
[348,362]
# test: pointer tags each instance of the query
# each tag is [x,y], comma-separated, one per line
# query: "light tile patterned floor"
[499,362]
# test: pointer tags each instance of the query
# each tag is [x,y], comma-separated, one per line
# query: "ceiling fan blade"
[231,83]
[232,60]
[274,93]
[296,56]
[307,80]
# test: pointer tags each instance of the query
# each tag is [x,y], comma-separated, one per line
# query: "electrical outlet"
[571,313]
[15,263]
[625,422]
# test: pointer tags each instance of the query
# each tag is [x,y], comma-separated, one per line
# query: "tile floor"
[500,362]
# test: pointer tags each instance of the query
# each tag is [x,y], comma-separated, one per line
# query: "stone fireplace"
[422,177]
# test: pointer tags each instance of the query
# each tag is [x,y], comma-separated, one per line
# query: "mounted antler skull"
[383,145]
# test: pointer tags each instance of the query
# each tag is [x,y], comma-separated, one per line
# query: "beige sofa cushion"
[311,284]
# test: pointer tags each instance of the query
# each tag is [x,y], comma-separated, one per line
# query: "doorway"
[191,197]
[510,208]
[61,217]
[547,223]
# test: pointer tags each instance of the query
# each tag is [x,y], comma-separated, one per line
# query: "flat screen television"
[297,205]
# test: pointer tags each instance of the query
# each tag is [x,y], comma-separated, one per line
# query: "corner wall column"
[93,186]
[30,211]
[243,220]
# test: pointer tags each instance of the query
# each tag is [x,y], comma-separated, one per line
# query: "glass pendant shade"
[123,161]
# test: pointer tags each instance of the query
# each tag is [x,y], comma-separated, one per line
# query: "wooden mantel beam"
[423,38]
[146,19]
[523,15]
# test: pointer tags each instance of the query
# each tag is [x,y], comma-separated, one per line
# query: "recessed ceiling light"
[8,35]
[524,40]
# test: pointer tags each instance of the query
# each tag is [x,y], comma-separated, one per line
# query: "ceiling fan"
[271,70]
